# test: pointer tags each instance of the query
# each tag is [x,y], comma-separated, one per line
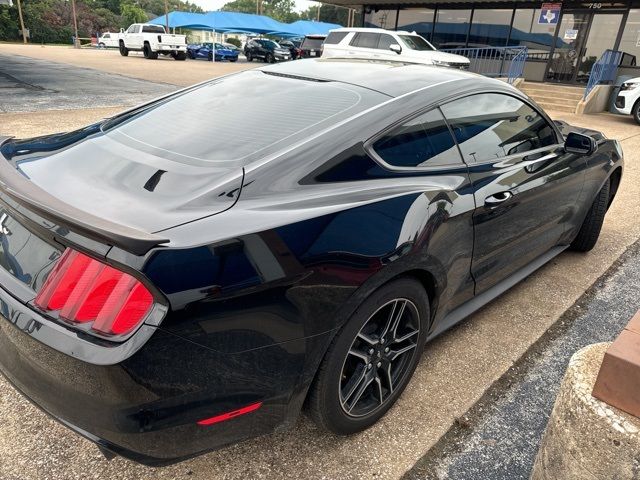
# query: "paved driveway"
[30,85]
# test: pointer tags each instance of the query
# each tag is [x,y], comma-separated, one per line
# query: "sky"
[210,5]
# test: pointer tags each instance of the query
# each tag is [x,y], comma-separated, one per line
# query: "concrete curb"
[586,438]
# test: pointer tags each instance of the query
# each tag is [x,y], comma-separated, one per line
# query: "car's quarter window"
[423,141]
[152,29]
[493,125]
[365,40]
[335,37]
[386,41]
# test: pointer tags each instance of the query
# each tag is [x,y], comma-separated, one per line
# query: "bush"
[234,41]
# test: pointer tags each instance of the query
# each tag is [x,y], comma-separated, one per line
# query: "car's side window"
[335,37]
[423,141]
[131,29]
[365,40]
[386,41]
[493,125]
[106,35]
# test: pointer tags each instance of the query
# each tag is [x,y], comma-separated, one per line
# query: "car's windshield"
[416,42]
[268,43]
[238,118]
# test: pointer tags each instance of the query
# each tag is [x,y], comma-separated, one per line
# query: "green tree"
[241,6]
[8,23]
[131,13]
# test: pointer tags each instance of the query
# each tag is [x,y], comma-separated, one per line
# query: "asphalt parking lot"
[456,371]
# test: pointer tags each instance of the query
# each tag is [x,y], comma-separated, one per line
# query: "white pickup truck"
[152,40]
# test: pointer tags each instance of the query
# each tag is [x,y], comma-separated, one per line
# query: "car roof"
[393,78]
[372,30]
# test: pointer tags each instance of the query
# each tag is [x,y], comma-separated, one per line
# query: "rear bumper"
[146,407]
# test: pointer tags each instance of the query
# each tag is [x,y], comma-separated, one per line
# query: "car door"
[364,44]
[439,223]
[525,185]
[134,36]
[384,43]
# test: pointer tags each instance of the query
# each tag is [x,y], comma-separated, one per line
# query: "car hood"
[121,184]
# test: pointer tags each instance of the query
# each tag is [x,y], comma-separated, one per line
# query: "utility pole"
[166,15]
[24,33]
[257,7]
[76,44]
[319,5]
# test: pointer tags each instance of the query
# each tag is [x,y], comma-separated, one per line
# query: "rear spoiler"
[20,189]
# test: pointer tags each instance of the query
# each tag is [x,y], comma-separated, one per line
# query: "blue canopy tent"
[233,22]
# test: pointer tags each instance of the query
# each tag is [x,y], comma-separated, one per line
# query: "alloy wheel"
[379,357]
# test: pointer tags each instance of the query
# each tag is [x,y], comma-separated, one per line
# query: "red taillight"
[85,290]
[229,415]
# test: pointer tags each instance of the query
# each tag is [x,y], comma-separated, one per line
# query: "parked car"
[152,40]
[388,45]
[312,46]
[265,50]
[294,48]
[192,287]
[628,99]
[110,39]
[205,50]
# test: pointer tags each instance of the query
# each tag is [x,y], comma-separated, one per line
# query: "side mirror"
[394,47]
[580,144]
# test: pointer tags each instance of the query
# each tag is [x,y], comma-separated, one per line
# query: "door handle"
[498,198]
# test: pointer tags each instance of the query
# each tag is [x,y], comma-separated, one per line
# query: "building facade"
[564,39]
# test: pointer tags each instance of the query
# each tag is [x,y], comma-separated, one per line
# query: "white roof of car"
[372,30]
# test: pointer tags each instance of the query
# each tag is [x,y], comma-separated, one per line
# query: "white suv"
[387,45]
[627,100]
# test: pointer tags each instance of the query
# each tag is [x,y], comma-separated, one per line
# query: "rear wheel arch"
[614,183]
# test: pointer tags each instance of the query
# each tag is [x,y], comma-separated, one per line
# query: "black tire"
[124,51]
[270,58]
[101,45]
[590,229]
[191,55]
[338,400]
[180,56]
[148,54]
[635,111]
[210,57]
[249,57]
[233,60]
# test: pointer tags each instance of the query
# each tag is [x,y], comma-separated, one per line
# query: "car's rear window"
[239,118]
[314,43]
[152,29]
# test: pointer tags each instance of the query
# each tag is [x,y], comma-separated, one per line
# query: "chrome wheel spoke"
[405,337]
[387,372]
[380,393]
[358,354]
[363,385]
[367,339]
[397,353]
[355,386]
[394,318]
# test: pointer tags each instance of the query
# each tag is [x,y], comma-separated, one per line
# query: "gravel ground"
[498,438]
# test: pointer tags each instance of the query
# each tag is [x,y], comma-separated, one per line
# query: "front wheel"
[124,51]
[592,224]
[249,57]
[372,359]
[269,58]
[635,111]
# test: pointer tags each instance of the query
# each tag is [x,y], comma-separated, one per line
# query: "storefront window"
[490,28]
[419,20]
[451,28]
[528,32]
[381,19]
[630,41]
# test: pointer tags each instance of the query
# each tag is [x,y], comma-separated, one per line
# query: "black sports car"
[170,290]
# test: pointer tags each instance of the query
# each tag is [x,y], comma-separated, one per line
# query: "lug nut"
[386,350]
[379,364]
[369,366]
[382,341]
[371,351]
